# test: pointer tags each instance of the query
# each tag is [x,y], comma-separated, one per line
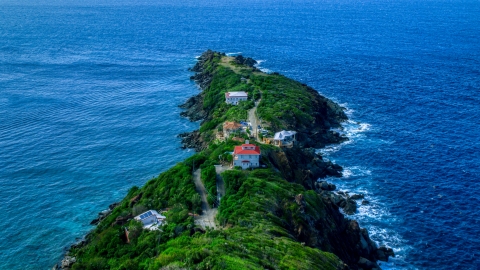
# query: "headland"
[250,197]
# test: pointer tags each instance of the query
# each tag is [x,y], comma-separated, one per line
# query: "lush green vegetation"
[284,101]
[257,215]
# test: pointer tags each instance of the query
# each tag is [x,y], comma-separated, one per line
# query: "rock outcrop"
[247,61]
[193,140]
[302,165]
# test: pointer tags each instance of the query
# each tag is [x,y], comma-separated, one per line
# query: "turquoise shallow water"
[89,95]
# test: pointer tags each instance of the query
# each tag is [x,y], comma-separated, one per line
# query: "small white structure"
[151,219]
[246,156]
[235,97]
[284,138]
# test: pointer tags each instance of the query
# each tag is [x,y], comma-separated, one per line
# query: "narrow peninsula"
[251,197]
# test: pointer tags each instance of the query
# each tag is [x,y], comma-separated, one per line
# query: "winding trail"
[252,118]
[207,219]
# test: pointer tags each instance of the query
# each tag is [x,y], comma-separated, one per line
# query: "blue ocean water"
[89,94]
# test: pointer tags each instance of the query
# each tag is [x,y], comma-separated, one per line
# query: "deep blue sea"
[89,94]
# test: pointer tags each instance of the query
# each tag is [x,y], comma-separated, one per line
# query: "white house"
[246,156]
[235,97]
[151,219]
[284,138]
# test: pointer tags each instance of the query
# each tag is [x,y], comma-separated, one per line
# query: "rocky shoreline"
[67,260]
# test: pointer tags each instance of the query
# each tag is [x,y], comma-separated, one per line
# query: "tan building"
[230,128]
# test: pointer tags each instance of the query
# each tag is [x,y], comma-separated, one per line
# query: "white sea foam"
[257,65]
[355,171]
[375,216]
[233,53]
[348,111]
[352,130]
[376,212]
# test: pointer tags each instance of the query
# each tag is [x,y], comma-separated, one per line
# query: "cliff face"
[194,109]
[327,229]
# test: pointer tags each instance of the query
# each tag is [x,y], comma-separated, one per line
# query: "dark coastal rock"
[192,140]
[95,221]
[247,61]
[341,200]
[332,232]
[79,244]
[113,205]
[384,252]
[357,196]
[349,206]
[326,186]
[367,264]
[301,165]
[194,108]
[365,202]
[102,215]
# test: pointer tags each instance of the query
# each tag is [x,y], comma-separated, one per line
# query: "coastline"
[299,165]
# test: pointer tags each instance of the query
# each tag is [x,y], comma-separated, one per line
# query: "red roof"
[240,151]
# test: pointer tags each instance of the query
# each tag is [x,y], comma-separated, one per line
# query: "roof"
[282,134]
[148,214]
[236,94]
[239,150]
[231,125]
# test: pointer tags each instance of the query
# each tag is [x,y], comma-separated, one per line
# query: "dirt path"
[252,118]
[207,219]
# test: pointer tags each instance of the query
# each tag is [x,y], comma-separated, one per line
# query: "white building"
[235,97]
[151,219]
[246,156]
[284,138]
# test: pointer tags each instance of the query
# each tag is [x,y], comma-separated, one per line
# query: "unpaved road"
[252,118]
[207,218]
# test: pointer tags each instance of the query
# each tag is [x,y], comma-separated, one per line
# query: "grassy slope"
[256,213]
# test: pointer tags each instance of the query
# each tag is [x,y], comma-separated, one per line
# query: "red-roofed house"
[246,156]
